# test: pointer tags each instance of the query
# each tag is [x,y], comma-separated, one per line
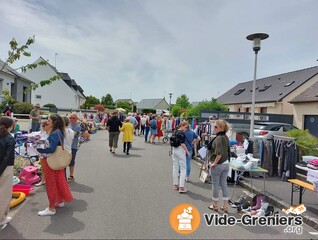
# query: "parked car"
[268,129]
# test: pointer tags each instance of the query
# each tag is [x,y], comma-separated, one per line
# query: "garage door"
[311,123]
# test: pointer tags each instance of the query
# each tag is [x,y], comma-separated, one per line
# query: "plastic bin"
[22,188]
[308,158]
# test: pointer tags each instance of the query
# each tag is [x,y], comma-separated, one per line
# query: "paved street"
[119,196]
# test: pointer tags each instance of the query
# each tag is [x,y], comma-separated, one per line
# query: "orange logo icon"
[185,218]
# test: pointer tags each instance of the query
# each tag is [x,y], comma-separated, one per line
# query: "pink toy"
[29,175]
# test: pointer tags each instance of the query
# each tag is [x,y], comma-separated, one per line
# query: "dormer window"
[255,89]
[288,84]
[238,92]
[264,88]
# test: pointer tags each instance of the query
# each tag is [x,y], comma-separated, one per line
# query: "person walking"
[219,165]
[143,124]
[113,126]
[35,118]
[179,152]
[153,129]
[57,188]
[159,126]
[190,139]
[7,146]
[147,128]
[128,131]
[76,127]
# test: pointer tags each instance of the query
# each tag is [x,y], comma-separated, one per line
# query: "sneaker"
[127,153]
[187,179]
[175,187]
[46,212]
[6,220]
[182,190]
[61,204]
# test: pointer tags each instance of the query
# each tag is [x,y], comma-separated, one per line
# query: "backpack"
[153,124]
[175,139]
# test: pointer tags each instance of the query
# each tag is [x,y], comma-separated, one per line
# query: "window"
[25,96]
[288,84]
[238,92]
[264,88]
[38,96]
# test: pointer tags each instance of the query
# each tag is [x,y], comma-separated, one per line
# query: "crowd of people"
[149,126]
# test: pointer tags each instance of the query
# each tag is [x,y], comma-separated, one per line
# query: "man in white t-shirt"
[69,136]
[143,124]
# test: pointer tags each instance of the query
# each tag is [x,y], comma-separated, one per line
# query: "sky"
[142,49]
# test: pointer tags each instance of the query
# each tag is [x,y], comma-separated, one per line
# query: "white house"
[15,83]
[63,93]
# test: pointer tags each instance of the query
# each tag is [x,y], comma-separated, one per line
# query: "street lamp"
[170,95]
[256,38]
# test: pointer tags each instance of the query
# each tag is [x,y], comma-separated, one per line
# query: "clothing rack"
[278,137]
[291,155]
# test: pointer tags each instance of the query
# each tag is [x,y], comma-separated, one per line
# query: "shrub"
[307,143]
[22,108]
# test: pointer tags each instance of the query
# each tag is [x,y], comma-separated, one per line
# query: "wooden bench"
[299,186]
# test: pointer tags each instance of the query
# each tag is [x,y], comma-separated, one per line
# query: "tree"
[124,105]
[99,107]
[206,105]
[16,52]
[183,101]
[107,100]
[90,102]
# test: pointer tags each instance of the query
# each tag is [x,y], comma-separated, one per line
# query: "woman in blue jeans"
[219,165]
[190,138]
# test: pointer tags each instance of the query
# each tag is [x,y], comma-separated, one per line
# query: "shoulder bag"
[60,159]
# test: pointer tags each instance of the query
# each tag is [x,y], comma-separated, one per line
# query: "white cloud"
[145,49]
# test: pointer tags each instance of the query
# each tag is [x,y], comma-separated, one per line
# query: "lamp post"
[170,95]
[256,38]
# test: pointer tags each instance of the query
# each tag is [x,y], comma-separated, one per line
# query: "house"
[63,93]
[288,93]
[152,104]
[124,100]
[15,82]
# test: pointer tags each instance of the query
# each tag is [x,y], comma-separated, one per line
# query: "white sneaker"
[46,212]
[61,204]
[6,220]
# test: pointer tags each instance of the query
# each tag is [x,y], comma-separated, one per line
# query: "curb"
[272,199]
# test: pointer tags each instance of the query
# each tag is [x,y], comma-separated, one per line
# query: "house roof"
[268,89]
[71,83]
[149,103]
[309,95]
[9,70]
[124,100]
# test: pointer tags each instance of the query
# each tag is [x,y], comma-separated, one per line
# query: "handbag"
[204,174]
[60,159]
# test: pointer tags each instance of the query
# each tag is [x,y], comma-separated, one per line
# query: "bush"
[22,108]
[49,105]
[307,143]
